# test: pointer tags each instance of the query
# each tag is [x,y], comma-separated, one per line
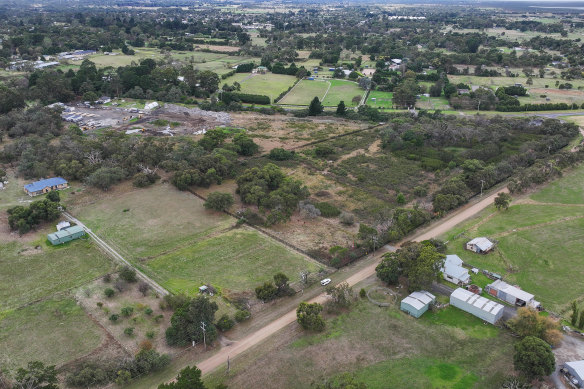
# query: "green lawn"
[138,226]
[27,274]
[343,90]
[271,85]
[237,260]
[566,190]
[53,331]
[382,99]
[382,347]
[305,91]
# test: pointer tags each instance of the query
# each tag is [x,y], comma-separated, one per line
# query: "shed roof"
[578,367]
[42,184]
[453,267]
[66,232]
[482,243]
[512,290]
[419,299]
[477,301]
[417,304]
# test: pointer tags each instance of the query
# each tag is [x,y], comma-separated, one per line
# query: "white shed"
[454,272]
[576,370]
[480,245]
[476,305]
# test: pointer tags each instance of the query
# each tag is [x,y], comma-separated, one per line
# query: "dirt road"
[236,348]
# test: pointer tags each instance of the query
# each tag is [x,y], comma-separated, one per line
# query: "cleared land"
[343,90]
[382,99]
[53,331]
[235,261]
[540,241]
[441,350]
[305,91]
[270,85]
[28,274]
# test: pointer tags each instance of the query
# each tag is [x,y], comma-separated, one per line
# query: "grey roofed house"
[476,305]
[511,294]
[480,245]
[453,270]
[576,370]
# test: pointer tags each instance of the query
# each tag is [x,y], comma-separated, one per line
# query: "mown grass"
[454,317]
[566,190]
[270,85]
[382,99]
[237,260]
[52,331]
[27,277]
[304,92]
[343,90]
[382,347]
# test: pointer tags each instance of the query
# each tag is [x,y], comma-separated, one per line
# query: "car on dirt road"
[325,282]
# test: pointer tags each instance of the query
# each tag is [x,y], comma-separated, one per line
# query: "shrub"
[347,218]
[267,292]
[128,274]
[362,293]
[148,311]
[218,201]
[279,154]
[114,317]
[109,292]
[146,345]
[107,278]
[327,209]
[143,287]
[323,151]
[150,334]
[99,304]
[242,315]
[129,331]
[127,311]
[120,285]
[158,318]
[142,180]
[225,323]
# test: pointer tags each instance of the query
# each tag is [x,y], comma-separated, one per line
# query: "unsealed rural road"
[238,347]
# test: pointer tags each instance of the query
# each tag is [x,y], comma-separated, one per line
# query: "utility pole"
[482,183]
[203,325]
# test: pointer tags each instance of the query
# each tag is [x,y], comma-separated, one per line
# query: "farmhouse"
[417,303]
[511,294]
[476,305]
[480,245]
[65,235]
[45,186]
[454,272]
[576,370]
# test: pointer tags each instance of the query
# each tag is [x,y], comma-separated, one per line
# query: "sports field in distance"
[305,91]
[269,84]
[53,331]
[382,99]
[237,260]
[342,90]
[541,239]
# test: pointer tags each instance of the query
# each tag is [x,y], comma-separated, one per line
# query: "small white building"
[454,272]
[476,305]
[511,294]
[417,303]
[151,106]
[62,225]
[480,245]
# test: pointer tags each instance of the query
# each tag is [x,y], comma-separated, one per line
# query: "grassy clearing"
[263,84]
[27,274]
[53,331]
[454,317]
[382,99]
[342,90]
[304,92]
[383,347]
[237,260]
[134,222]
[566,190]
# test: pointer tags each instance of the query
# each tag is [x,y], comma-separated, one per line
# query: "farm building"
[62,225]
[480,245]
[511,294]
[476,305]
[417,303]
[66,235]
[45,186]
[576,370]
[454,272]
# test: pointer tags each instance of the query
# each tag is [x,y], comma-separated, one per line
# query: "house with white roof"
[480,245]
[454,272]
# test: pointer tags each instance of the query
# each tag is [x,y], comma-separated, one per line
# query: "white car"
[325,282]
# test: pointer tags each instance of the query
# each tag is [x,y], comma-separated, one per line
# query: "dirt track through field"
[238,347]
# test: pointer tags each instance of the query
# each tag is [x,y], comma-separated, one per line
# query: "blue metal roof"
[42,184]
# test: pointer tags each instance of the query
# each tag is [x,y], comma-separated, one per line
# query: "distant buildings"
[45,186]
[417,303]
[511,294]
[476,305]
[480,245]
[454,272]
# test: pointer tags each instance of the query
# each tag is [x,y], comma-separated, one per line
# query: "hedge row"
[228,97]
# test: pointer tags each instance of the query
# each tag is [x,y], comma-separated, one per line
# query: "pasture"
[28,273]
[382,347]
[234,261]
[305,91]
[269,84]
[342,90]
[53,331]
[382,99]
[139,227]
[540,241]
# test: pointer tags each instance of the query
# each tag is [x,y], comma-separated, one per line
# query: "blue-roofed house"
[45,186]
